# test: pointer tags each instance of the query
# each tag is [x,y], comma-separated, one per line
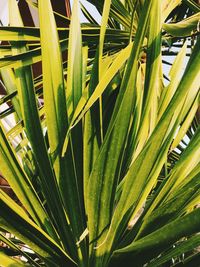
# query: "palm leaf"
[103,151]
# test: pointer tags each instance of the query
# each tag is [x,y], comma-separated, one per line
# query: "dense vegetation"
[103,155]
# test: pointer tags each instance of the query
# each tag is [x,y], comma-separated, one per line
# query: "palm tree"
[104,154]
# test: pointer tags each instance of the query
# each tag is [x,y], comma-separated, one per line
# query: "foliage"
[104,155]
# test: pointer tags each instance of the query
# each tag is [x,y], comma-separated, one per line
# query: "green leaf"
[175,75]
[26,91]
[168,6]
[74,72]
[187,122]
[120,14]
[138,175]
[16,177]
[15,248]
[20,34]
[180,248]
[174,207]
[57,122]
[7,261]
[26,230]
[186,27]
[151,245]
[74,91]
[153,78]
[192,4]
[100,200]
[28,34]
[84,104]
[104,21]
[87,14]
[179,173]
[91,133]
